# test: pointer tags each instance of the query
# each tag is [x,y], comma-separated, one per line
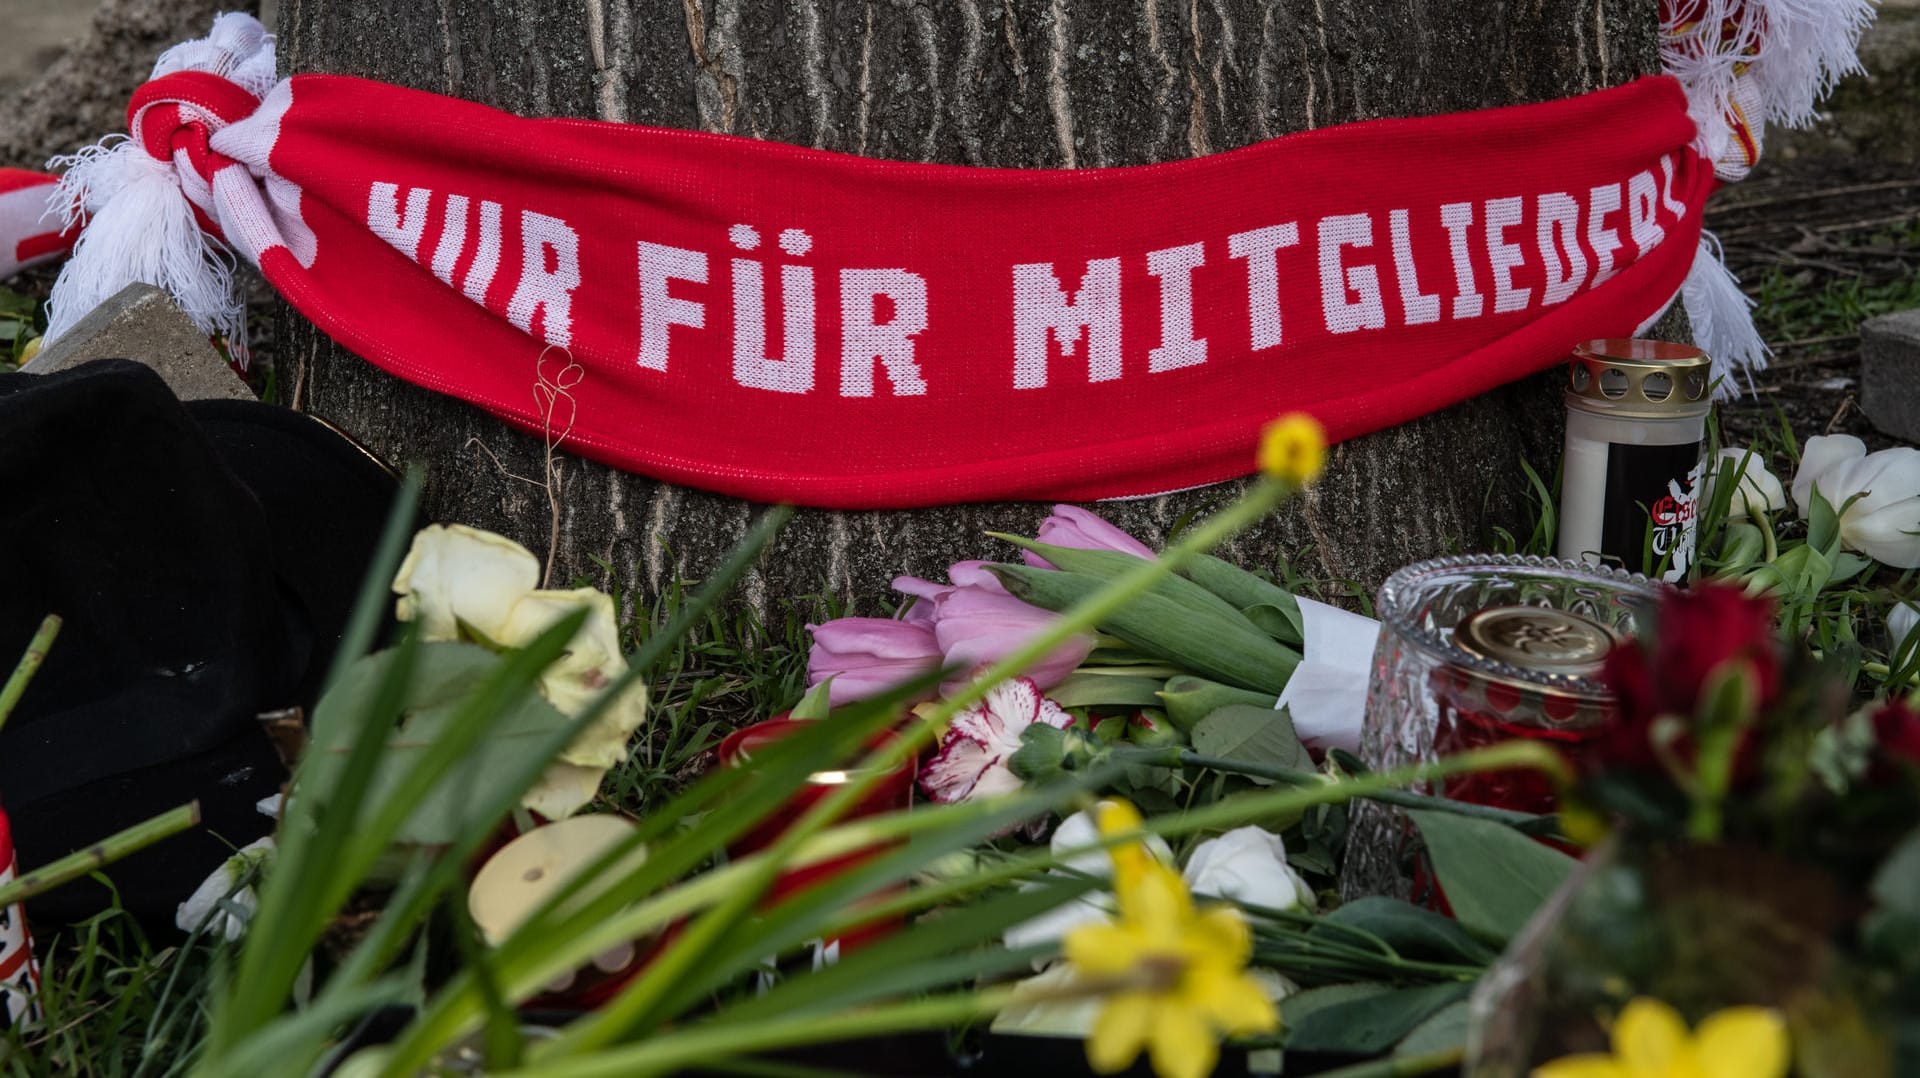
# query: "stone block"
[141,323]
[1890,373]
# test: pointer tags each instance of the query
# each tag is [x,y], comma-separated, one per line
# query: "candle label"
[19,974]
[1652,497]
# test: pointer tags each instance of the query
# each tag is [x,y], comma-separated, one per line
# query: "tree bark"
[1026,83]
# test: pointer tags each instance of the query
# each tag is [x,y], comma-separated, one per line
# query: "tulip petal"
[1757,491]
[1821,454]
[1901,621]
[1742,1042]
[1890,535]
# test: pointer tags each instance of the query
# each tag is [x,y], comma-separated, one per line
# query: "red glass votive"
[892,792]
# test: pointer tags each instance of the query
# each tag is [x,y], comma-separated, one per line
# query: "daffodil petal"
[1104,950]
[1649,1037]
[1586,1066]
[1120,1032]
[1223,931]
[1182,1044]
[1234,1002]
[1742,1042]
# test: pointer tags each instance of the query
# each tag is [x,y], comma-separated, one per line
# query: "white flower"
[979,742]
[215,904]
[464,583]
[1900,622]
[1883,521]
[1077,832]
[1757,491]
[1247,865]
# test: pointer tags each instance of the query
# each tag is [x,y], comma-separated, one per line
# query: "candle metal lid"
[1640,379]
[1537,638]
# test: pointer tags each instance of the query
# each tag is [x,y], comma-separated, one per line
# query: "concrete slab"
[1890,373]
[141,323]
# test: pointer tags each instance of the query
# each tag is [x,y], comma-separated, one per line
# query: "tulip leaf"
[1110,565]
[1222,646]
[1412,932]
[1189,699]
[816,704]
[1251,735]
[1360,1019]
[1106,690]
[1268,605]
[1823,524]
[446,675]
[1443,1031]
[1494,877]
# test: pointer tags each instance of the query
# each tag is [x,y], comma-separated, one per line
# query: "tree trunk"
[1027,83]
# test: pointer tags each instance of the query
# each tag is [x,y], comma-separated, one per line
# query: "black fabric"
[204,558]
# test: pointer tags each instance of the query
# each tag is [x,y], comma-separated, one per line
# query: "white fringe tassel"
[1722,318]
[1793,52]
[140,227]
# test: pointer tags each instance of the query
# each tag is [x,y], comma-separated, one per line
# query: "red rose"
[1897,727]
[1698,633]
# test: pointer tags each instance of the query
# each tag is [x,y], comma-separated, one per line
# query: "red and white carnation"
[980,741]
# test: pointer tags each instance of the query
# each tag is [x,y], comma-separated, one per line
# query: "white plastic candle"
[1636,438]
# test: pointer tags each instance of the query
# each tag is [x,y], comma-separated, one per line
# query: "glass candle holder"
[893,791]
[1479,649]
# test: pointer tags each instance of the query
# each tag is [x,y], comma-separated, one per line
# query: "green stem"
[29,665]
[669,1052]
[1525,822]
[101,854]
[635,1005]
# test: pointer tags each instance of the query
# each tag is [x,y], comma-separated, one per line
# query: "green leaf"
[1189,699]
[1360,1019]
[1823,525]
[1222,646]
[1445,1030]
[1251,735]
[815,704]
[1494,877]
[446,676]
[1104,690]
[1279,615]
[1896,886]
[1412,932]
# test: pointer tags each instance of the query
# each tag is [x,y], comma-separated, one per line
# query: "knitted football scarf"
[782,323]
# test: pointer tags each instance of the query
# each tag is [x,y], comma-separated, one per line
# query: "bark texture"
[1025,83]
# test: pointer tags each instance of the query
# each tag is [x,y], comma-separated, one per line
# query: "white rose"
[1247,865]
[456,576]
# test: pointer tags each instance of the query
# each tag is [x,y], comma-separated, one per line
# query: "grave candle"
[1636,434]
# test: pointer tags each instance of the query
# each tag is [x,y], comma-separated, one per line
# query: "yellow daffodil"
[1650,1040]
[1294,448]
[1180,973]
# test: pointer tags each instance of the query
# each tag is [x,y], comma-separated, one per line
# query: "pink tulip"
[977,623]
[868,656]
[1074,527]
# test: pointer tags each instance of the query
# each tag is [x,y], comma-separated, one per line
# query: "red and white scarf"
[787,324]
